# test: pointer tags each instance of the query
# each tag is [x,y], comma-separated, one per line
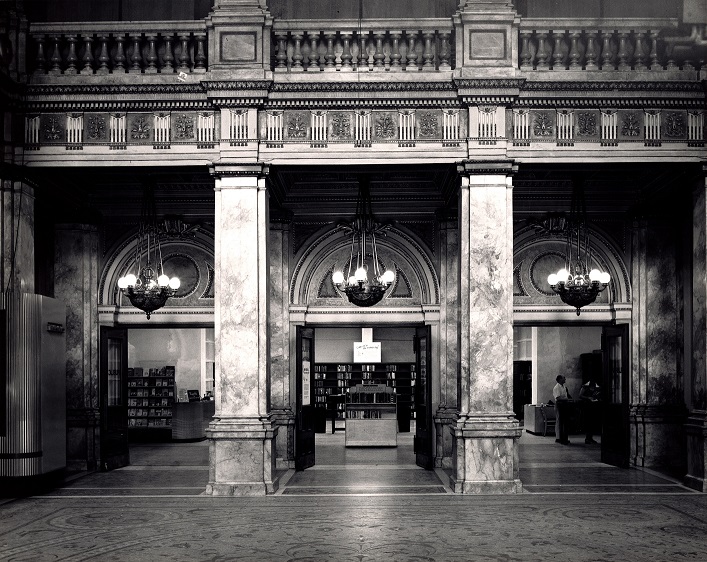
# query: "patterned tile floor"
[375,506]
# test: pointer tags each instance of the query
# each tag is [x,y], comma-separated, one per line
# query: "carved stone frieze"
[296,126]
[183,127]
[543,126]
[96,128]
[384,126]
[428,124]
[630,125]
[340,126]
[53,131]
[140,128]
[674,125]
[587,124]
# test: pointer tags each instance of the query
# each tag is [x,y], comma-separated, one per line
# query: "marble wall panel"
[698,394]
[17,237]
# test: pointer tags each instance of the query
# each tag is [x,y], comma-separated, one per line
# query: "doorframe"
[375,317]
[616,314]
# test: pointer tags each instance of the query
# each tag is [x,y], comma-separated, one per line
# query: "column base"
[83,439]
[444,419]
[696,431]
[284,420]
[486,455]
[658,437]
[241,460]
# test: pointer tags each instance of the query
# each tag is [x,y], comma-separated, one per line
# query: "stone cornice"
[612,86]
[112,89]
[312,87]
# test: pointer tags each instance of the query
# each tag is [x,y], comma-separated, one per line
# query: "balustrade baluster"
[379,55]
[297,52]
[314,51]
[71,57]
[525,54]
[151,58]
[428,65]
[346,56]
[543,54]
[119,60]
[655,64]
[606,53]
[136,56]
[306,51]
[639,54]
[574,51]
[363,51]
[103,57]
[444,51]
[623,51]
[330,54]
[184,52]
[168,57]
[281,56]
[40,60]
[558,54]
[592,54]
[200,56]
[87,55]
[56,56]
[412,53]
[395,55]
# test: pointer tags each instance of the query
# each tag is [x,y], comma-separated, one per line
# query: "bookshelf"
[371,416]
[336,379]
[150,398]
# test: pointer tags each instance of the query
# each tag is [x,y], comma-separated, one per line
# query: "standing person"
[589,395]
[562,398]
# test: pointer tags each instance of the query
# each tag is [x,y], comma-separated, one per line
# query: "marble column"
[487,432]
[241,435]
[76,284]
[696,426]
[447,413]
[657,397]
[17,237]
[282,412]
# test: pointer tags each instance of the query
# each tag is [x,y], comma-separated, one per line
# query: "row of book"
[149,422]
[150,392]
[167,371]
[152,401]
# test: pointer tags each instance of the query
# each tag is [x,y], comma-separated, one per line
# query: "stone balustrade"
[572,44]
[368,46]
[118,47]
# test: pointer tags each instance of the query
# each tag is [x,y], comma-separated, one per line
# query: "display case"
[371,416]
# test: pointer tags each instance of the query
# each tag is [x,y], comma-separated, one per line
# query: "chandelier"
[576,283]
[146,285]
[359,288]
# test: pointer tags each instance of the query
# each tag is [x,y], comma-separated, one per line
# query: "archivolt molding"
[198,252]
[331,247]
[536,254]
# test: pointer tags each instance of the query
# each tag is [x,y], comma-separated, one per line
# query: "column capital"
[486,167]
[259,170]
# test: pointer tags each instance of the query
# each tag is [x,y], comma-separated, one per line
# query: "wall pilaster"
[447,413]
[696,427]
[281,406]
[658,410]
[241,435]
[486,434]
[76,284]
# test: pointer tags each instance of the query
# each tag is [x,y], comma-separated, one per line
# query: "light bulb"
[388,277]
[352,280]
[122,283]
[174,283]
[361,274]
[552,279]
[338,277]
[151,284]
[562,275]
[130,279]
[163,280]
[594,275]
[605,278]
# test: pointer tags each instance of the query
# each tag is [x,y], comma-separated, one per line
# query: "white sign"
[306,388]
[367,352]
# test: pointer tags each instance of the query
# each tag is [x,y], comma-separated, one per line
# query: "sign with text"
[367,352]
[306,384]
